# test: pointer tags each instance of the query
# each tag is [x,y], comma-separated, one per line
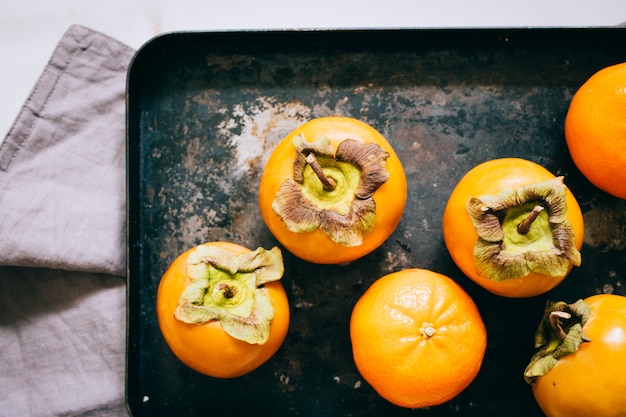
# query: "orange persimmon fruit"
[578,369]
[595,129]
[333,190]
[222,309]
[482,227]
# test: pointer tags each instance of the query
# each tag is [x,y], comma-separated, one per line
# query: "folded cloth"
[62,337]
[62,164]
[62,236]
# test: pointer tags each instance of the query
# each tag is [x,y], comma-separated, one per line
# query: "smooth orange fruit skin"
[592,381]
[317,247]
[595,129]
[460,235]
[206,348]
[404,367]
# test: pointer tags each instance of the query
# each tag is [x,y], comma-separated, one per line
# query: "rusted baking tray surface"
[206,109]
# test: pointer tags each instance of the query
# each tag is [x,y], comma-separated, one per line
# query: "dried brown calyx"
[523,230]
[229,287]
[559,333]
[333,190]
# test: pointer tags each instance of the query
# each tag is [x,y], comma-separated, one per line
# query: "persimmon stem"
[556,324]
[328,183]
[524,226]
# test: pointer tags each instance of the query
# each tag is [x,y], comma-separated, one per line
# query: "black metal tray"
[206,109]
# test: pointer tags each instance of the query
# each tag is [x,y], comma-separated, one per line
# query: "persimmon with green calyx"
[333,190]
[222,309]
[579,369]
[513,227]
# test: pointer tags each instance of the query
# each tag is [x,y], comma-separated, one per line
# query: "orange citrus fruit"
[595,129]
[417,338]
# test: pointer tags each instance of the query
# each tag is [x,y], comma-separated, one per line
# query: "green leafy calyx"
[229,287]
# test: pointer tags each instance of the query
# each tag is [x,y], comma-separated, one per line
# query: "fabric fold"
[62,340]
[62,236]
[62,164]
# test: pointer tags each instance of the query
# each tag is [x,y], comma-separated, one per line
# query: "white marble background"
[29,29]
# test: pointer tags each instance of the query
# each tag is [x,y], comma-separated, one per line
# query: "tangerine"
[417,338]
[595,129]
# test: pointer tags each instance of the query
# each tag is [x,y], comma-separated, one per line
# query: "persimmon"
[417,338]
[579,367]
[595,129]
[333,190]
[222,309]
[513,227]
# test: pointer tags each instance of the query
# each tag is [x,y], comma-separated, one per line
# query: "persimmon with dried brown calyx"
[578,369]
[513,227]
[333,190]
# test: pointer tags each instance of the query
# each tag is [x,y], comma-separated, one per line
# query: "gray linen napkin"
[62,343]
[62,236]
[62,165]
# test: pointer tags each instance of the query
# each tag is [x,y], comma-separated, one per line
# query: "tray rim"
[504,35]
